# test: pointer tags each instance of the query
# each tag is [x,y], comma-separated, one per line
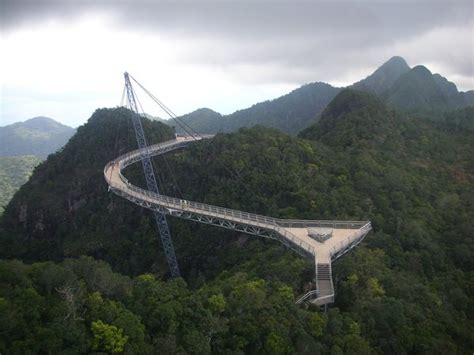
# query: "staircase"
[324,284]
[324,292]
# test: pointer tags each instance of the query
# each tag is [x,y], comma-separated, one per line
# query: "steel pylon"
[151,179]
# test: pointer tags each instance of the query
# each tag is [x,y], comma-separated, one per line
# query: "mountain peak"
[43,123]
[384,77]
[40,119]
[421,70]
[396,61]
[205,110]
[37,136]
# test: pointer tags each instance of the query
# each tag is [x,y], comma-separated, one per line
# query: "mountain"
[406,289]
[384,77]
[289,113]
[414,90]
[469,97]
[58,209]
[201,120]
[38,136]
[420,90]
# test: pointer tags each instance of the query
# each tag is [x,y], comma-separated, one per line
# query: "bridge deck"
[294,233]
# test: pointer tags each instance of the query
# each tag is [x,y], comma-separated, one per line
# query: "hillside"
[420,90]
[353,118]
[406,290]
[289,113]
[38,136]
[14,172]
[59,209]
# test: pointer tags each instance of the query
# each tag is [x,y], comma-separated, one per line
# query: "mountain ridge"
[289,113]
[411,89]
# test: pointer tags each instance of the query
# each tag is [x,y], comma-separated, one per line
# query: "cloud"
[215,53]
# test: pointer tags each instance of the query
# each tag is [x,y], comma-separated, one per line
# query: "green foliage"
[461,120]
[289,113]
[419,90]
[407,289]
[107,338]
[14,172]
[316,324]
[217,303]
[65,209]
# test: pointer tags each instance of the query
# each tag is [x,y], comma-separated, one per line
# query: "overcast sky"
[64,59]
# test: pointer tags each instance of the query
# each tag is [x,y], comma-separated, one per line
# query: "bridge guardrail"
[172,202]
[351,239]
[269,223]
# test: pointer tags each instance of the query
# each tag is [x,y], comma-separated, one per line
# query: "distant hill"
[38,136]
[401,87]
[384,77]
[23,145]
[203,120]
[419,89]
[289,113]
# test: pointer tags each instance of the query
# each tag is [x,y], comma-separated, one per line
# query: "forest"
[14,172]
[83,271]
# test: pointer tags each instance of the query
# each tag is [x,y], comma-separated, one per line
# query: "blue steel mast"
[151,179]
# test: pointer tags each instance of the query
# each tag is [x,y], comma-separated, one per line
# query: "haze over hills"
[289,113]
[412,89]
[420,90]
[23,145]
[38,136]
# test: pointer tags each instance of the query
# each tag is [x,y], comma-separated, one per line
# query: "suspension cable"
[123,96]
[189,130]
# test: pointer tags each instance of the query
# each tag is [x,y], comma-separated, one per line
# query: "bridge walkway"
[293,233]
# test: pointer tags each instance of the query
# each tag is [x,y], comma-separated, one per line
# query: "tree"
[107,338]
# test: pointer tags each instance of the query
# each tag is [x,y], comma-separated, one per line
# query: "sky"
[64,59]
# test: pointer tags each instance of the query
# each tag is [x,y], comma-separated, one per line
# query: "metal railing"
[306,296]
[351,239]
[296,223]
[269,223]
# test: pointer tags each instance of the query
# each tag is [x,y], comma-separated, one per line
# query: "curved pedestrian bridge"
[322,241]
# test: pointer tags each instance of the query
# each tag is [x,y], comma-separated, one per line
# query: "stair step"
[324,273]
